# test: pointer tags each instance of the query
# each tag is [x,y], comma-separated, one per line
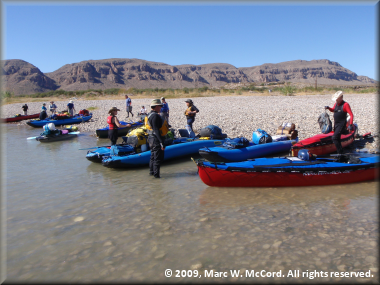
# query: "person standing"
[128,103]
[114,125]
[25,109]
[164,110]
[70,108]
[52,107]
[340,109]
[190,116]
[157,131]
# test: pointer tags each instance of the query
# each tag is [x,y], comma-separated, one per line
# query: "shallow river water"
[68,219]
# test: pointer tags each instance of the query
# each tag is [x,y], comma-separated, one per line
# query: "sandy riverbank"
[235,115]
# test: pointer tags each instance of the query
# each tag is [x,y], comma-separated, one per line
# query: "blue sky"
[50,35]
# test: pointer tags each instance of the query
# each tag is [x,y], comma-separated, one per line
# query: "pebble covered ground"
[235,115]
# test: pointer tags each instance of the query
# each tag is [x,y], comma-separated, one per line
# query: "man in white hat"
[340,109]
[70,108]
[156,139]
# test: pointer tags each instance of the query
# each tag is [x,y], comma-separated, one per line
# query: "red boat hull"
[322,144]
[20,118]
[225,178]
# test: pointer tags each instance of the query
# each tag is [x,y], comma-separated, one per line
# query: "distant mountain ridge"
[21,77]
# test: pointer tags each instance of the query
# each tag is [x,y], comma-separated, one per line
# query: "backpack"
[236,143]
[84,112]
[137,137]
[260,137]
[213,132]
[325,123]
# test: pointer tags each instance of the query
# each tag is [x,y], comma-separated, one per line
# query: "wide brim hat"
[71,101]
[155,102]
[113,109]
[189,101]
[337,95]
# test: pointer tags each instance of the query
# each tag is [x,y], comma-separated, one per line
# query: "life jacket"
[187,112]
[163,130]
[340,116]
[112,126]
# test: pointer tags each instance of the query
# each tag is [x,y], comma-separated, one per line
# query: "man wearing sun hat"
[340,109]
[156,138]
[52,107]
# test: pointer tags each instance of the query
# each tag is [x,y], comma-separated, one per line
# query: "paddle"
[99,147]
[72,133]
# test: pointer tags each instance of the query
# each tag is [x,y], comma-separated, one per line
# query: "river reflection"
[69,219]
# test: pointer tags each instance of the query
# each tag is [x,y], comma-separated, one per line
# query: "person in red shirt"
[114,124]
[340,109]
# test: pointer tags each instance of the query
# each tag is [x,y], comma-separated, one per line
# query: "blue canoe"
[121,149]
[187,146]
[69,121]
[103,133]
[227,154]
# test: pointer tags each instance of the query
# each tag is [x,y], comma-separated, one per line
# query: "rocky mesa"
[21,77]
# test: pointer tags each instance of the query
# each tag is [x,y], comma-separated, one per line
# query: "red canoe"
[322,144]
[22,117]
[287,172]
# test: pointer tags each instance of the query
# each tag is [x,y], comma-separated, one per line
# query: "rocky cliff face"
[21,77]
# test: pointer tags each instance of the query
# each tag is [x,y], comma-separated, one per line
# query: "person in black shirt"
[25,109]
[155,140]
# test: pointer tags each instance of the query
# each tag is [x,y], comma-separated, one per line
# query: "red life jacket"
[112,126]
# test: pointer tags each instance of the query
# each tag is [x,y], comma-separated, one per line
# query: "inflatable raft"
[20,118]
[227,154]
[55,138]
[288,172]
[103,133]
[69,121]
[322,144]
[186,146]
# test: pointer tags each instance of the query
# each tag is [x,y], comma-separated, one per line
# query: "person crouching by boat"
[143,111]
[114,125]
[190,116]
[70,108]
[157,129]
[43,114]
[50,130]
[25,109]
[340,109]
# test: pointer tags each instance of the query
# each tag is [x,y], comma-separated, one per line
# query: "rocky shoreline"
[235,115]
